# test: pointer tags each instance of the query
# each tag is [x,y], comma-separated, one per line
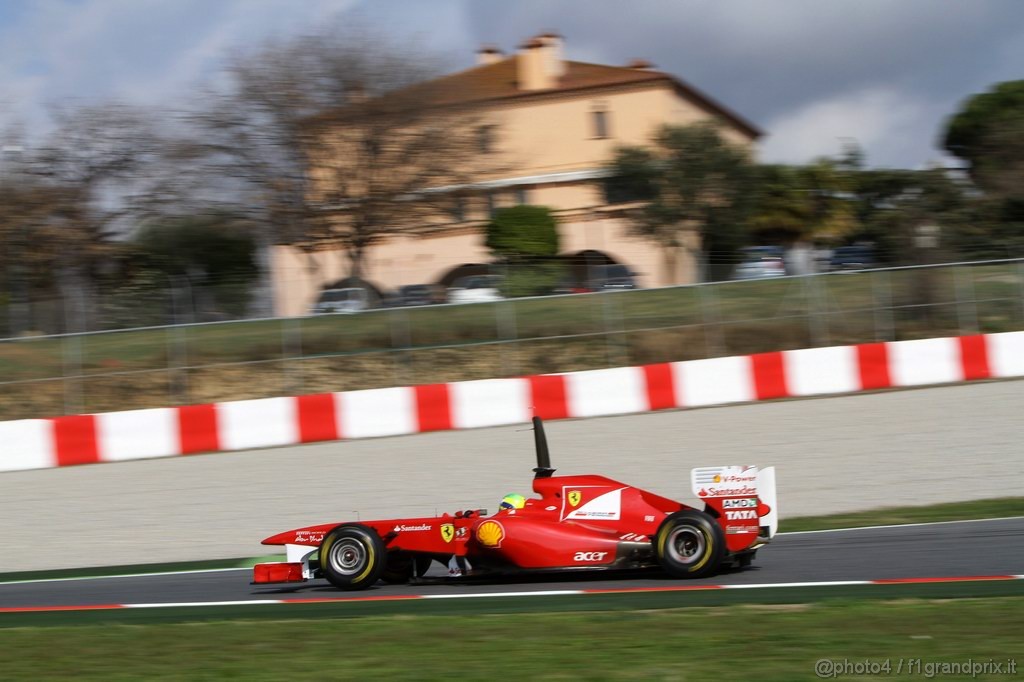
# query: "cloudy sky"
[811,73]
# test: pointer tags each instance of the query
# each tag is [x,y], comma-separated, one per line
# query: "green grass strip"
[951,511]
[743,641]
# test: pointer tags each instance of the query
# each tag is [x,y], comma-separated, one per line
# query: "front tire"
[352,557]
[689,544]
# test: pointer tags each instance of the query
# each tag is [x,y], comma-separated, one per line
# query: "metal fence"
[194,363]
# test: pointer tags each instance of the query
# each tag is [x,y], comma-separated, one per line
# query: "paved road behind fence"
[833,455]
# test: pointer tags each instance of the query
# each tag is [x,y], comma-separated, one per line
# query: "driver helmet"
[512,501]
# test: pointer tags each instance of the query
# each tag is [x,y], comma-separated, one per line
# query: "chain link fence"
[232,360]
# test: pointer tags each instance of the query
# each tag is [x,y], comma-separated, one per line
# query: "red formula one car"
[576,522]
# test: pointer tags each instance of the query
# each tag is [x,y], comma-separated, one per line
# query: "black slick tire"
[689,544]
[352,557]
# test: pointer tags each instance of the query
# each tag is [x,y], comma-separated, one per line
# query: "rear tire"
[689,544]
[352,557]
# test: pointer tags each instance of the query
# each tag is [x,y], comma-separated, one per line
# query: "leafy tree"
[891,206]
[988,133]
[525,240]
[688,191]
[214,254]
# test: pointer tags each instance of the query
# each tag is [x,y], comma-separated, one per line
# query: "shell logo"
[490,534]
[718,478]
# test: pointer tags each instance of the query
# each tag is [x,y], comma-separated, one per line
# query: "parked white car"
[475,289]
[348,300]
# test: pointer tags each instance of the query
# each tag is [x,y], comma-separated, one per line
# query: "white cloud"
[142,51]
[884,122]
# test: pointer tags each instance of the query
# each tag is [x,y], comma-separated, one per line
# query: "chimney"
[531,71]
[641,64]
[488,54]
[553,61]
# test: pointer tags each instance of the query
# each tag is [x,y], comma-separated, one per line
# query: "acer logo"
[590,556]
[737,515]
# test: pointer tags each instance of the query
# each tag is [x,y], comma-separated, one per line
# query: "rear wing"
[743,497]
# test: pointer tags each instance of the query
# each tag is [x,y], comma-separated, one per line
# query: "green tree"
[988,133]
[215,254]
[802,203]
[525,240]
[688,191]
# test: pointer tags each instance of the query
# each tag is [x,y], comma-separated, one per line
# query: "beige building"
[554,124]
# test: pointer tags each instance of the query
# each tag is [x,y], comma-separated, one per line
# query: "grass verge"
[780,642]
[886,516]
[139,368]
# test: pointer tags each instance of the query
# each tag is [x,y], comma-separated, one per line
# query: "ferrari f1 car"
[575,522]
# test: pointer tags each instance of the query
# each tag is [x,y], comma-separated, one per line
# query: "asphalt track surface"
[944,550]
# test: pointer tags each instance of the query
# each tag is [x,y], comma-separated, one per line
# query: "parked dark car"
[856,257]
[611,277]
[415,294]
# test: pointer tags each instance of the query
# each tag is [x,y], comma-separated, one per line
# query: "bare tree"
[92,168]
[252,129]
[397,164]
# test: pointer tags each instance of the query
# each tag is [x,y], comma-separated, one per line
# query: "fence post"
[401,342]
[72,355]
[712,316]
[1020,271]
[609,308]
[883,310]
[289,341]
[72,360]
[963,288]
[505,321]
[817,327]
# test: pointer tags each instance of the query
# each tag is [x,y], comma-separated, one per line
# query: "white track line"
[247,602]
[537,593]
[832,583]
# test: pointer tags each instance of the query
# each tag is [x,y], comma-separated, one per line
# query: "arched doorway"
[592,270]
[465,270]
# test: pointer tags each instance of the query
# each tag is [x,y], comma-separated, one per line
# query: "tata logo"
[737,515]
[447,531]
[590,556]
[574,497]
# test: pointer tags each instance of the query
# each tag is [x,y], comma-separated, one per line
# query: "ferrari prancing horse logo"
[447,531]
[574,497]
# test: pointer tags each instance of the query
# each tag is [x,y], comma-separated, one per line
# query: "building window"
[458,208]
[485,139]
[599,119]
[521,196]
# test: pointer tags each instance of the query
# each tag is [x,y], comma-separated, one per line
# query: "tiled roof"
[498,82]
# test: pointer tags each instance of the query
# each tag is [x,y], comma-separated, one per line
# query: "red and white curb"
[505,595]
[271,422]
